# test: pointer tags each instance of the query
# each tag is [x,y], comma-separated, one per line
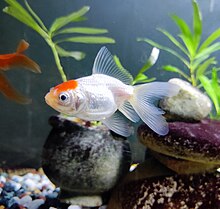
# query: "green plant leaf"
[215,35]
[171,51]
[121,68]
[197,24]
[196,62]
[208,50]
[35,16]
[82,30]
[188,44]
[206,83]
[215,83]
[204,66]
[88,40]
[151,60]
[74,54]
[184,28]
[17,11]
[173,40]
[174,69]
[62,21]
[186,34]
[142,78]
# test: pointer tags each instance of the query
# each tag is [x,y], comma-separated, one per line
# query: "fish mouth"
[49,99]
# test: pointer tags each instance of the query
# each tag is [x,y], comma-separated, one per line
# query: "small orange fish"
[16,60]
[108,91]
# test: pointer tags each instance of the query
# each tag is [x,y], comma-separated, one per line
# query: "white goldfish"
[108,89]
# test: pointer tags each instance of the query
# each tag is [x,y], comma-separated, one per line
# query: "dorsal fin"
[22,46]
[71,84]
[105,64]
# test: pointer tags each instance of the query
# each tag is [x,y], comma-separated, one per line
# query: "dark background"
[24,128]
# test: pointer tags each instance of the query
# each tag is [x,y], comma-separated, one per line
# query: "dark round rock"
[199,142]
[84,160]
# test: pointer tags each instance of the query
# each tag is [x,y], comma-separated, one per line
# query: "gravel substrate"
[32,190]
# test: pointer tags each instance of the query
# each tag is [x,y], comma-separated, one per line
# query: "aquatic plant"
[54,35]
[212,88]
[197,56]
[141,77]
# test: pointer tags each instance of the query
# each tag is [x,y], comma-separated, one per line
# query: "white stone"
[35,204]
[190,103]
[36,177]
[17,179]
[103,207]
[25,200]
[86,201]
[15,185]
[2,179]
[74,207]
[30,184]
[28,176]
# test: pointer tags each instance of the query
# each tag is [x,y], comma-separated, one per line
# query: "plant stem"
[57,58]
[192,76]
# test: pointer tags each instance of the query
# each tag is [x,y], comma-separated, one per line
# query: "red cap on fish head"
[68,85]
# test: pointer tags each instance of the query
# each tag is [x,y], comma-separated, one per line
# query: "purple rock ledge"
[199,142]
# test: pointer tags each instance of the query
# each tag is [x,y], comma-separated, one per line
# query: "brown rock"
[199,142]
[183,166]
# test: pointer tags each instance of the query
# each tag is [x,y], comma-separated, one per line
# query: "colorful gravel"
[32,190]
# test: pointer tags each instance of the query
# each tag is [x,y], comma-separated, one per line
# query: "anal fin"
[129,112]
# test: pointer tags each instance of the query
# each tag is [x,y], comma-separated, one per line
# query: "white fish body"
[104,94]
[108,89]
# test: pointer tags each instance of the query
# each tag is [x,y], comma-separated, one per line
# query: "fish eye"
[64,97]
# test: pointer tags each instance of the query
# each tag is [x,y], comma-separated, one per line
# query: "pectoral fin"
[118,124]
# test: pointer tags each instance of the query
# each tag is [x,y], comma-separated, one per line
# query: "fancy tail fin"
[144,99]
[17,59]
[10,92]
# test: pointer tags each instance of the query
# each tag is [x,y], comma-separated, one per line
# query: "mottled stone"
[189,104]
[199,142]
[84,160]
[165,192]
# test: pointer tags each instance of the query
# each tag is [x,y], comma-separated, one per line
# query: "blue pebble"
[20,192]
[4,202]
[11,202]
[15,206]
[7,195]
[8,187]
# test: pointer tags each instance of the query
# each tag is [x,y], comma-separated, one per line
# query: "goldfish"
[107,95]
[16,60]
